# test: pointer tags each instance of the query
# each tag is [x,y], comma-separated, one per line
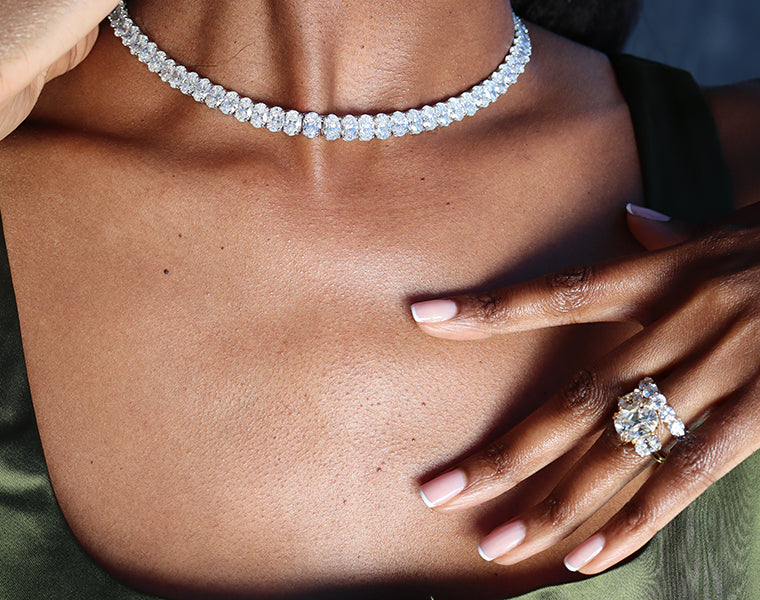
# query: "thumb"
[655,230]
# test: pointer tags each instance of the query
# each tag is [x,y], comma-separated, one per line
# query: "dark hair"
[601,24]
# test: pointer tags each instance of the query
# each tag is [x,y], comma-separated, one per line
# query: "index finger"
[618,290]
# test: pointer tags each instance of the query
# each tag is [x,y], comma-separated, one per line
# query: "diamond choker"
[332,127]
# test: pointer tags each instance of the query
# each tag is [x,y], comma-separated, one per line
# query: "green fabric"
[712,550]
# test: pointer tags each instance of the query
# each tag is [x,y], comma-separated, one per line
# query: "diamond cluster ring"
[641,413]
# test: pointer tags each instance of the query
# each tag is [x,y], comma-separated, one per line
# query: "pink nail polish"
[646,213]
[585,553]
[501,540]
[434,311]
[443,488]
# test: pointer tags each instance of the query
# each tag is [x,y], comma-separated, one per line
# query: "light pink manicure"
[443,488]
[434,311]
[646,213]
[501,540]
[585,553]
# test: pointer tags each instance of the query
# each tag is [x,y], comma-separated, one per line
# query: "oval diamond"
[456,109]
[214,96]
[399,123]
[429,118]
[168,72]
[414,119]
[311,125]
[623,426]
[331,127]
[349,128]
[156,63]
[137,46]
[173,74]
[229,103]
[382,126]
[244,110]
[188,85]
[275,119]
[293,122]
[442,114]
[146,52]
[366,128]
[480,96]
[201,88]
[259,115]
[468,103]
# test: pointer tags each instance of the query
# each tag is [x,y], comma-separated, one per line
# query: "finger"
[655,230]
[611,464]
[579,409]
[72,57]
[695,463]
[17,108]
[36,34]
[616,290]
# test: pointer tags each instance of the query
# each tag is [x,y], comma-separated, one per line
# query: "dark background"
[718,41]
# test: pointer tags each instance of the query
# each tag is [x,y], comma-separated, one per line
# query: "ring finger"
[602,472]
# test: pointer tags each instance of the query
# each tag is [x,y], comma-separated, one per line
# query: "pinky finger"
[731,434]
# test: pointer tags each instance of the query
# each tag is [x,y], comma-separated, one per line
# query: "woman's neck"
[330,55]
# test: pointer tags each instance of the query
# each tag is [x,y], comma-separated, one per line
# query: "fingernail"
[585,553]
[434,311]
[443,488]
[501,540]
[646,213]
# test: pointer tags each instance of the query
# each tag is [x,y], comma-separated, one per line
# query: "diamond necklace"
[332,127]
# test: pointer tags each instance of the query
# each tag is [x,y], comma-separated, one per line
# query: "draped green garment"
[710,551]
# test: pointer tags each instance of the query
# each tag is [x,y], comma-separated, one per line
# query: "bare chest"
[229,387]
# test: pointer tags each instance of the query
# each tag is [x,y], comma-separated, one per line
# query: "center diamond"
[635,423]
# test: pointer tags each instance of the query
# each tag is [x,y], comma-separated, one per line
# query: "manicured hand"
[699,304]
[40,40]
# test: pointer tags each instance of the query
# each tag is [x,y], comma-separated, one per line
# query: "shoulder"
[737,115]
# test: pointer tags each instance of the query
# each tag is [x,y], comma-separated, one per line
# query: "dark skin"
[258,418]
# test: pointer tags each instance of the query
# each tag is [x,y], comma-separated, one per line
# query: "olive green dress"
[712,550]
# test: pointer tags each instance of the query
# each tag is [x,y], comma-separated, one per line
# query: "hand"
[699,305]
[39,41]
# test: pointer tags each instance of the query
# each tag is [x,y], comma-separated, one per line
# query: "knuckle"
[557,510]
[495,462]
[634,519]
[693,460]
[583,397]
[489,307]
[570,289]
